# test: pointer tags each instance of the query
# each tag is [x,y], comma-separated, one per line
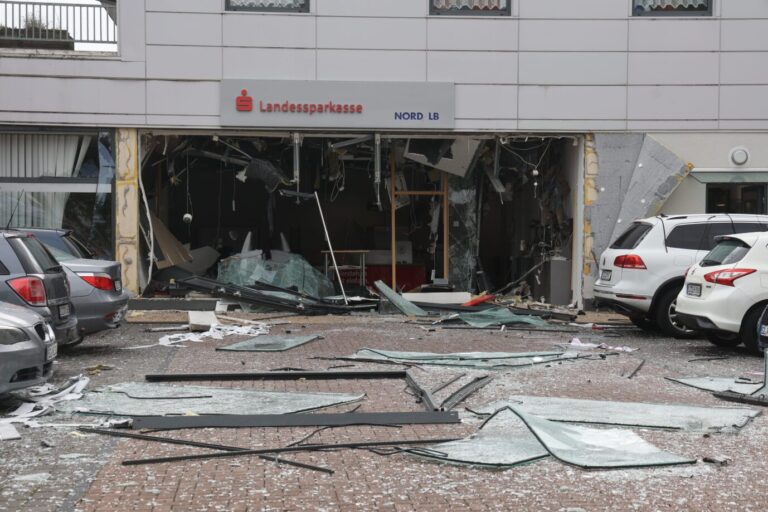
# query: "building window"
[672,7]
[736,198]
[268,5]
[470,7]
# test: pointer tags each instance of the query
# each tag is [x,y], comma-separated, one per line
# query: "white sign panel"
[319,104]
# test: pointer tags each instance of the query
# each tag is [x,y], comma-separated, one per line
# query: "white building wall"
[555,65]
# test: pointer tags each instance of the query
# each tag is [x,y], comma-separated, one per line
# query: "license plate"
[118,286]
[605,275]
[51,352]
[694,290]
[64,311]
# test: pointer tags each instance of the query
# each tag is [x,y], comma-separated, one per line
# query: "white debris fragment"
[576,342]
[216,332]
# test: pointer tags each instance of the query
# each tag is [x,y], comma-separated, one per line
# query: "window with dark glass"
[672,7]
[736,198]
[268,5]
[687,236]
[471,7]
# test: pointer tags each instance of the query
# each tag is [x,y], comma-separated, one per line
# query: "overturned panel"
[269,344]
[719,384]
[502,442]
[145,399]
[404,306]
[594,448]
[479,360]
[630,414]
[498,317]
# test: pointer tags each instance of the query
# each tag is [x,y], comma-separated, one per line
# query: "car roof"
[747,238]
[705,217]
[58,231]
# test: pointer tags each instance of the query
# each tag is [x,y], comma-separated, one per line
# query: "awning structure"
[730,175]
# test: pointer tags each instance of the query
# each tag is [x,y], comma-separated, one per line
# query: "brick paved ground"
[84,472]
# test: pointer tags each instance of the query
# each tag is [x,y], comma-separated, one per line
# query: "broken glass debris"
[480,360]
[630,414]
[269,343]
[405,306]
[719,384]
[503,441]
[146,399]
[499,316]
[593,448]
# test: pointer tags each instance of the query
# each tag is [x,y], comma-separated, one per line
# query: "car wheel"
[724,340]
[71,344]
[666,316]
[748,332]
[644,323]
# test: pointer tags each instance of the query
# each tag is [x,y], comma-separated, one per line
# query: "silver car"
[95,285]
[27,348]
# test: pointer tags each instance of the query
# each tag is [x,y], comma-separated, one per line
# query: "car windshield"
[727,251]
[632,237]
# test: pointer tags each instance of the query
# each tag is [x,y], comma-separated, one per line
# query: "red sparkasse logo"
[244,103]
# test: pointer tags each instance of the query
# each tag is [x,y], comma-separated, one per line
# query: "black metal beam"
[290,449]
[294,420]
[319,375]
[424,394]
[197,444]
[463,392]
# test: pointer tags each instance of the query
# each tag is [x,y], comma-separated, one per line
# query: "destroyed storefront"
[468,213]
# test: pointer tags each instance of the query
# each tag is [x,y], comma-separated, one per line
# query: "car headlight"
[10,336]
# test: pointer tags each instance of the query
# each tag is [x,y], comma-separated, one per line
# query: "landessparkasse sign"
[321,104]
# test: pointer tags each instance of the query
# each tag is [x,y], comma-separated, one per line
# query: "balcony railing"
[62,24]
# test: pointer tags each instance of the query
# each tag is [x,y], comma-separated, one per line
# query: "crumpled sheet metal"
[269,344]
[502,442]
[479,360]
[147,399]
[629,414]
[593,448]
[718,384]
[498,317]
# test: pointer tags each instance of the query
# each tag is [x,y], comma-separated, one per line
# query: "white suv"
[725,294]
[643,271]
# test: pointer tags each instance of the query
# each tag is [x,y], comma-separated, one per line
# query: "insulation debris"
[40,400]
[270,343]
[144,399]
[629,414]
[578,344]
[479,360]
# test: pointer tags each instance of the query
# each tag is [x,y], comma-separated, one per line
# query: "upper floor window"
[672,7]
[268,5]
[471,7]
[79,25]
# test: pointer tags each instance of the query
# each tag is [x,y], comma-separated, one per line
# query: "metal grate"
[58,22]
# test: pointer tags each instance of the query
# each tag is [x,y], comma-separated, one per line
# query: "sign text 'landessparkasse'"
[321,104]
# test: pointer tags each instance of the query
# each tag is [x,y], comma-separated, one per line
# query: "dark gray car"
[31,277]
[95,285]
[27,348]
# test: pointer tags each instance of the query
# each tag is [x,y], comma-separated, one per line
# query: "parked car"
[726,292]
[27,348]
[31,277]
[643,271]
[95,285]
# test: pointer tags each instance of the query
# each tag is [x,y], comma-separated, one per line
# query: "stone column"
[127,207]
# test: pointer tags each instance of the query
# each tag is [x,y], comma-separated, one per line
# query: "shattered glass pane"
[269,344]
[631,414]
[481,360]
[403,305]
[147,399]
[719,384]
[286,270]
[499,316]
[587,447]
[502,442]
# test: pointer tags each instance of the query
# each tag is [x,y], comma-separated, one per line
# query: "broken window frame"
[638,10]
[244,8]
[442,11]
